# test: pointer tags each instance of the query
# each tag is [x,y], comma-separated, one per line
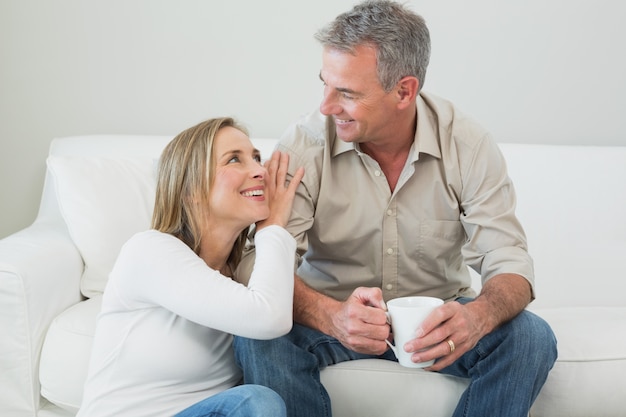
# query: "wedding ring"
[451,344]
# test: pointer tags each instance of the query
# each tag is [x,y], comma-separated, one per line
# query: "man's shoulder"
[452,123]
[307,132]
[445,110]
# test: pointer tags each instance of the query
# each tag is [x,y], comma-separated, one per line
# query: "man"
[402,192]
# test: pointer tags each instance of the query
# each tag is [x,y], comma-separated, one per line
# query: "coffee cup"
[406,314]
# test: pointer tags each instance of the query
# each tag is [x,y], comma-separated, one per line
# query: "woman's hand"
[278,191]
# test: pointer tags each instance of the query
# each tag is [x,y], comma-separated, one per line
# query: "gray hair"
[400,37]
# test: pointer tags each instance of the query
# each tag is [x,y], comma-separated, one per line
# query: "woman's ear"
[406,91]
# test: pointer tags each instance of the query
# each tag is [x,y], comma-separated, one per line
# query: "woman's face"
[237,195]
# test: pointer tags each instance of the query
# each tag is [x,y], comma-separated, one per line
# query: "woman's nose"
[259,171]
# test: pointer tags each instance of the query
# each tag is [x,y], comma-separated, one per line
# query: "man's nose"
[329,105]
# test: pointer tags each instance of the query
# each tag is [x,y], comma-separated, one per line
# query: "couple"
[385,191]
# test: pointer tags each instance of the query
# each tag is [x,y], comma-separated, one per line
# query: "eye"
[233,160]
[347,96]
[257,158]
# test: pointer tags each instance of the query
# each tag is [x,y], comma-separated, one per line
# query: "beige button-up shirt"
[453,207]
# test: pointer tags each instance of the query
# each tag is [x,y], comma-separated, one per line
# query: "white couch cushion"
[375,387]
[65,354]
[592,350]
[589,350]
[67,348]
[103,202]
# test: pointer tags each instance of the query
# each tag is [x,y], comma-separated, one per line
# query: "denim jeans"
[507,368]
[240,401]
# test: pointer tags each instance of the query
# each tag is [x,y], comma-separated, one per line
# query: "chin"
[262,217]
[349,137]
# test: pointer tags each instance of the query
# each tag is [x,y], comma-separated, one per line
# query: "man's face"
[353,96]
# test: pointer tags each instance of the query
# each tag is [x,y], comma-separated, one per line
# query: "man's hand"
[359,323]
[451,321]
[502,298]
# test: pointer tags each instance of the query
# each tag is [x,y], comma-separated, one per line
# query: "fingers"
[435,319]
[280,193]
[297,177]
[272,165]
[360,324]
[445,335]
[283,165]
[372,297]
[277,167]
[446,354]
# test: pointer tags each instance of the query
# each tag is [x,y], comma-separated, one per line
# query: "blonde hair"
[185,176]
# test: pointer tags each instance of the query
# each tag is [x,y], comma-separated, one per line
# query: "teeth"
[253,193]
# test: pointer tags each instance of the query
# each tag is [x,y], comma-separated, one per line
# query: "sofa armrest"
[40,271]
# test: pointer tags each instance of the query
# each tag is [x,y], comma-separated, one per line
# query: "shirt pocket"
[438,246]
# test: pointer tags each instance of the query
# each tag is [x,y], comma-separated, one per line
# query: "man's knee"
[246,349]
[537,336]
[258,359]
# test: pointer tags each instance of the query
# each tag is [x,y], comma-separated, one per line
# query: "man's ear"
[406,90]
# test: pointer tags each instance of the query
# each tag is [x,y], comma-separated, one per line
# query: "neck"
[216,246]
[396,142]
[392,153]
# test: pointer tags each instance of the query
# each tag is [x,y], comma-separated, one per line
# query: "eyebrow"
[237,152]
[340,89]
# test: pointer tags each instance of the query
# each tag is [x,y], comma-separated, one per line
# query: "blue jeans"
[240,401]
[507,368]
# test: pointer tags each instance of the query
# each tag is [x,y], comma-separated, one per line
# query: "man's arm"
[359,323]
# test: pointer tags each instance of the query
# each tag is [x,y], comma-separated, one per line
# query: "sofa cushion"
[65,354]
[376,387]
[592,347]
[66,351]
[103,201]
[592,350]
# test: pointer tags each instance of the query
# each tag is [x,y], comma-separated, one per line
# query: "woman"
[163,338]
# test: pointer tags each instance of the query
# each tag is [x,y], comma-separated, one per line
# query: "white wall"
[539,71]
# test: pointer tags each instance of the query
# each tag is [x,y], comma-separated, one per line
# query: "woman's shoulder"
[150,236]
[152,242]
[148,255]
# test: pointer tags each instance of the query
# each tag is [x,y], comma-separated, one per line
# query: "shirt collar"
[338,146]
[427,131]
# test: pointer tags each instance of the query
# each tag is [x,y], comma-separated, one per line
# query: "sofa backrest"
[102,188]
[570,201]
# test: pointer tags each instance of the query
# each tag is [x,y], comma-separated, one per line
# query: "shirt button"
[389,212]
[389,287]
[377,173]
[390,251]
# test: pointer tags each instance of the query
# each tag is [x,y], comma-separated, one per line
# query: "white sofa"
[98,192]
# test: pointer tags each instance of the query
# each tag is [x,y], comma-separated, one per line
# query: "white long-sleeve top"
[163,337]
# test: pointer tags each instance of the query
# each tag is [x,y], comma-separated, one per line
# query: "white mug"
[405,315]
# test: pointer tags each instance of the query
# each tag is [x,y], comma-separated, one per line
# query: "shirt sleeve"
[496,240]
[158,270]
